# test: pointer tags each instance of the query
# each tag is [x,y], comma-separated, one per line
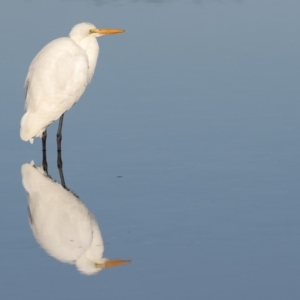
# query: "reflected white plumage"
[62,224]
[58,76]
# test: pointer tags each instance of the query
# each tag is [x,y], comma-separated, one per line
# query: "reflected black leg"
[45,164]
[59,135]
[59,159]
[60,169]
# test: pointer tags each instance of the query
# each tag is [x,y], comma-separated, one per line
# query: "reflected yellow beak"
[106,30]
[112,263]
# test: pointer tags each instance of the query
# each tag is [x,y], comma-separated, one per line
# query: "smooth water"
[185,148]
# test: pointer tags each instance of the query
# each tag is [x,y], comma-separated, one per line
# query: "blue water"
[185,147]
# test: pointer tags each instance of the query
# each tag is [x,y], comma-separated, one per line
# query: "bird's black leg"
[59,135]
[44,138]
[60,169]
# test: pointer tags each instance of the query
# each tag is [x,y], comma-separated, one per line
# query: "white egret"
[62,224]
[57,77]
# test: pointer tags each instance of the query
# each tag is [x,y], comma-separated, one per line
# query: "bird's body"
[47,99]
[62,224]
[58,76]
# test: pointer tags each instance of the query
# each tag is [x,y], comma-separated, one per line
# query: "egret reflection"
[62,224]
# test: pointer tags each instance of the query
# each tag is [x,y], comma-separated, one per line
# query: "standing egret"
[62,224]
[57,77]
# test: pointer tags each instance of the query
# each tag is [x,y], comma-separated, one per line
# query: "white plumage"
[58,76]
[62,224]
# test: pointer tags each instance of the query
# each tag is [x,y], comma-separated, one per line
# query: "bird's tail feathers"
[31,127]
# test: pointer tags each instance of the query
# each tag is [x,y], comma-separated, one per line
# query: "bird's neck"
[91,48]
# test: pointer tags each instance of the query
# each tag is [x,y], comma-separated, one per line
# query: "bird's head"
[83,30]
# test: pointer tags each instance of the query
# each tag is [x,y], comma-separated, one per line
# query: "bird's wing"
[56,78]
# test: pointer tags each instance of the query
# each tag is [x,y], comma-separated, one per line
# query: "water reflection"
[118,2]
[62,224]
[102,2]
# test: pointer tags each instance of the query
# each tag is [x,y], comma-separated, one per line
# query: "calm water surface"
[185,148]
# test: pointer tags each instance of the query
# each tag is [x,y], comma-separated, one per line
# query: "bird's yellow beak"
[106,30]
[112,263]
